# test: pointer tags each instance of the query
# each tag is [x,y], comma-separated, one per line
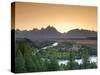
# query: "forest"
[35,59]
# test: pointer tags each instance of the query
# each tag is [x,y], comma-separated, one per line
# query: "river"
[79,61]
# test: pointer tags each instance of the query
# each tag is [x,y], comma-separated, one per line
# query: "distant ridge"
[80,33]
[51,33]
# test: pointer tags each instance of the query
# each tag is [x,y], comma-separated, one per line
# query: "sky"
[63,17]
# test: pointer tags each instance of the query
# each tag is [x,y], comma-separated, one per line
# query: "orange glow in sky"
[63,17]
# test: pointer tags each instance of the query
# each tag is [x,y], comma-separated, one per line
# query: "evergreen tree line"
[29,60]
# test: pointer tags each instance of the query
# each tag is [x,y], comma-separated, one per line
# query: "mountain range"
[51,33]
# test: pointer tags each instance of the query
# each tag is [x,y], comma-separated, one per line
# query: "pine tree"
[19,62]
[72,64]
[85,59]
[30,65]
[53,65]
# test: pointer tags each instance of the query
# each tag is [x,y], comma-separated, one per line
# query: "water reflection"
[79,61]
